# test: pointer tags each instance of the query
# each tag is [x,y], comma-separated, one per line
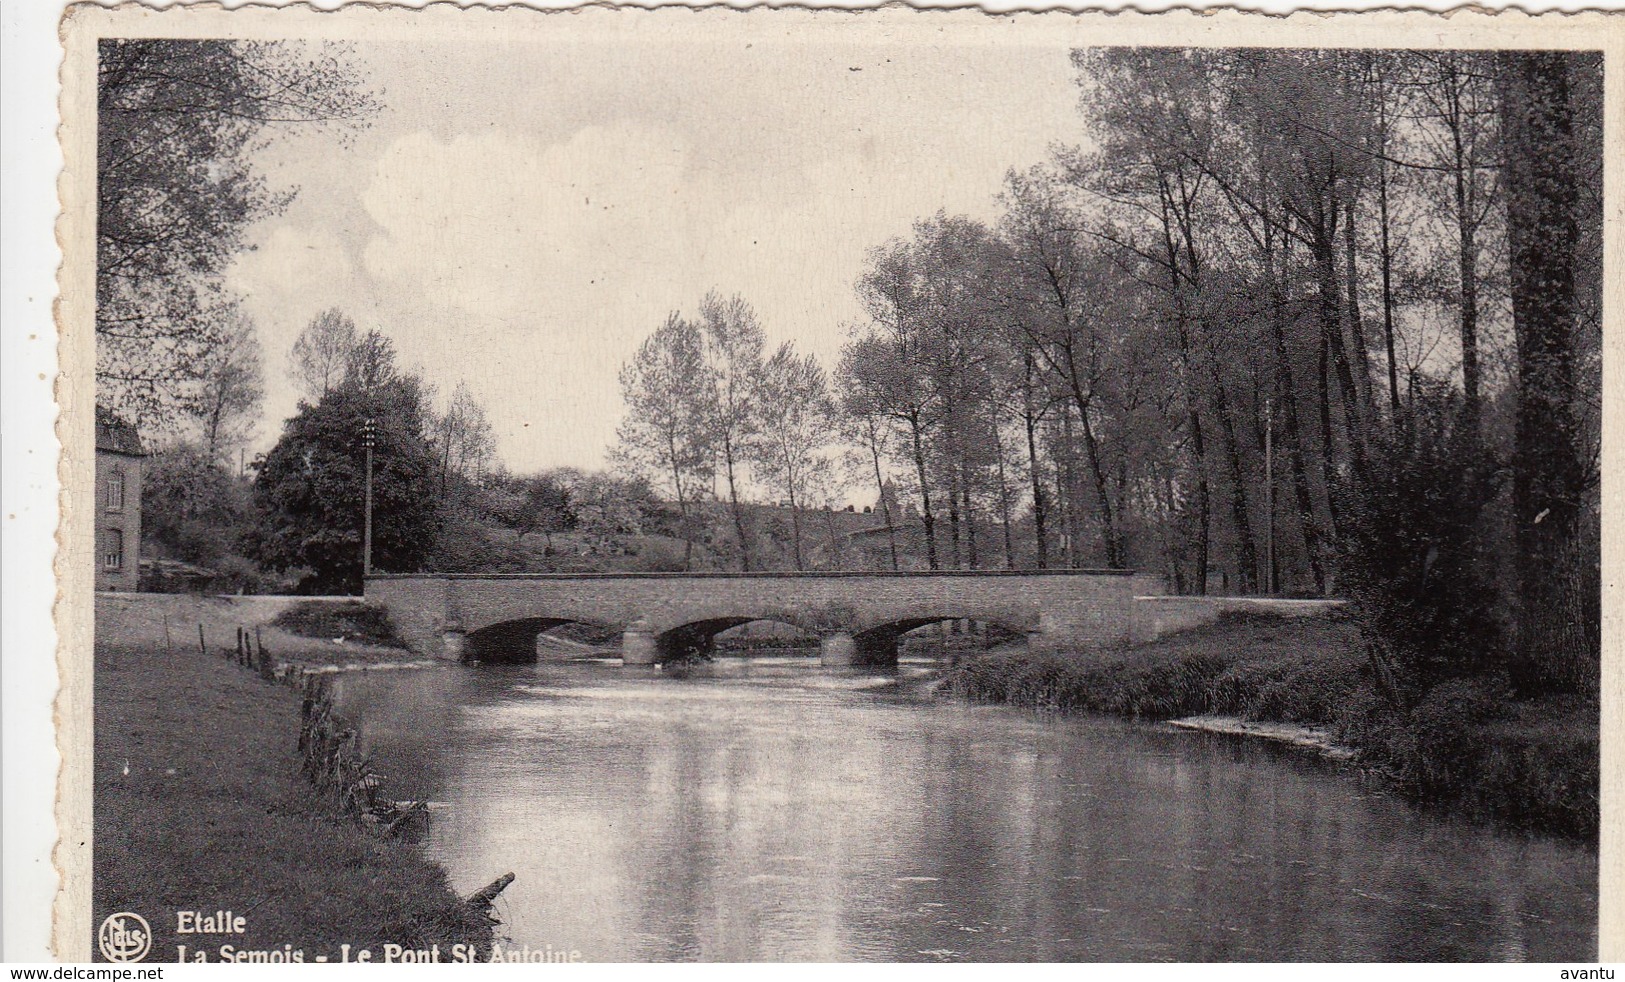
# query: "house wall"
[124,520]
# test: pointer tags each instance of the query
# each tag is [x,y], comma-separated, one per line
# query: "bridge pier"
[638,644]
[453,642]
[837,651]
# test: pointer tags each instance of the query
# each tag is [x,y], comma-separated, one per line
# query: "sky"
[521,214]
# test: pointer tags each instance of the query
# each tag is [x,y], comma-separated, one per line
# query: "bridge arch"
[699,636]
[879,644]
[514,641]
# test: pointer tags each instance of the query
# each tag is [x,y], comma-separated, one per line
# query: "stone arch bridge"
[858,617]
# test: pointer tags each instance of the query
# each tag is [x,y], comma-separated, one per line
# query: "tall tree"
[1456,88]
[178,124]
[882,363]
[322,353]
[797,424]
[866,426]
[226,402]
[463,442]
[1549,468]
[309,487]
[1066,288]
[463,434]
[669,427]
[1154,119]
[372,363]
[733,356]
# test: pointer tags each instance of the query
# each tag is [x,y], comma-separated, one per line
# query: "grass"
[200,804]
[170,622]
[1466,747]
[1285,670]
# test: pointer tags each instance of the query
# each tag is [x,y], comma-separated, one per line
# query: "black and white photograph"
[797,486]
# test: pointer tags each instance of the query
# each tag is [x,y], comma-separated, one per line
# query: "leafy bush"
[352,620]
[1422,589]
[1467,745]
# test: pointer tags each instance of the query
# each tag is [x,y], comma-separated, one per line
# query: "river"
[769,810]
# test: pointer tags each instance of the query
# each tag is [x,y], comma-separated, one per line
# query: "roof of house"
[114,435]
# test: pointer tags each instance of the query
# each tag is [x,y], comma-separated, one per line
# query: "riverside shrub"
[1466,745]
[1410,561]
[352,620]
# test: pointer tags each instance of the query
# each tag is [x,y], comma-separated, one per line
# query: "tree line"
[703,405]
[291,520]
[1318,322]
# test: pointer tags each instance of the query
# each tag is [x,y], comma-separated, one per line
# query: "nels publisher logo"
[124,938]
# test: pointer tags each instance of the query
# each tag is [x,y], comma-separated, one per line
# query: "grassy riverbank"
[201,805]
[1466,748]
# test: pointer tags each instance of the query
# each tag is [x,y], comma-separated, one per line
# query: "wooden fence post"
[262,659]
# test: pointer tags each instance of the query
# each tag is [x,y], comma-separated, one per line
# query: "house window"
[115,490]
[112,549]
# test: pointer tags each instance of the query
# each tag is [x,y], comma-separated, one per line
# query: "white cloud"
[527,249]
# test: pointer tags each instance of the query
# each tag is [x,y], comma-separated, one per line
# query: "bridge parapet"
[1057,609]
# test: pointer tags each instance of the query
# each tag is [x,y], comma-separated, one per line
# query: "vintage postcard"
[788,485]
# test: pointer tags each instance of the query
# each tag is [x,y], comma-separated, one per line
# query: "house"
[119,462]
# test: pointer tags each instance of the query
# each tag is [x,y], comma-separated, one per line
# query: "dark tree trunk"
[880,493]
[927,519]
[1328,442]
[1097,472]
[1362,354]
[1548,471]
[1170,543]
[1240,515]
[1294,431]
[970,517]
[795,530]
[1204,518]
[682,504]
[1036,474]
[733,503]
[1466,257]
[1108,530]
[1193,415]
[1180,208]
[1331,323]
[1066,478]
[1004,503]
[834,538]
[1387,257]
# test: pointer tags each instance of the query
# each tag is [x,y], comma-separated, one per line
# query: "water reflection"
[765,810]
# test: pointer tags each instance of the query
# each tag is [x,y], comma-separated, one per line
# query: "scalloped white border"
[30,445]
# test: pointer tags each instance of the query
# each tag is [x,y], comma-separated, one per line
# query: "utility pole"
[368,433]
[1269,497]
